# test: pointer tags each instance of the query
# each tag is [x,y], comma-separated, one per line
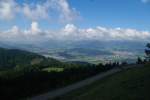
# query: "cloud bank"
[9,9]
[49,9]
[72,33]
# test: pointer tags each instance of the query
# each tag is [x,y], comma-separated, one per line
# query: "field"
[53,69]
[94,56]
[133,84]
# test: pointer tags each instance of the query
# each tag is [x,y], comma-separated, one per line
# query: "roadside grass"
[131,84]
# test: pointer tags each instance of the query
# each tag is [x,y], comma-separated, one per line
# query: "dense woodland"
[22,73]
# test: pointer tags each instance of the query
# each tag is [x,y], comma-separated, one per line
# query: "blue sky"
[114,13]
[106,13]
[115,19]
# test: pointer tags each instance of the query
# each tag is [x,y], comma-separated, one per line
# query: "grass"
[132,84]
[53,69]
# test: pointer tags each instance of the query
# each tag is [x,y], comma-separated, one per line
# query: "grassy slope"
[133,84]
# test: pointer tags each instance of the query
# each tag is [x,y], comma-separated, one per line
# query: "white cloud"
[8,9]
[70,28]
[73,33]
[35,13]
[35,28]
[50,9]
[145,1]
[67,13]
[15,30]
[103,34]
[33,34]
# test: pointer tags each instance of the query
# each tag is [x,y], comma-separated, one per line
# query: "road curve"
[65,90]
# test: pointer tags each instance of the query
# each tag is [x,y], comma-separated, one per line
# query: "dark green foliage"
[124,63]
[131,84]
[28,81]
[147,51]
[11,58]
[148,45]
[22,74]
[140,61]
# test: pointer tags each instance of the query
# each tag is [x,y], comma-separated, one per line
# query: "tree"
[147,51]
[124,63]
[139,60]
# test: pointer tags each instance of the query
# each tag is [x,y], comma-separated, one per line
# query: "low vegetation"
[24,74]
[53,69]
[132,84]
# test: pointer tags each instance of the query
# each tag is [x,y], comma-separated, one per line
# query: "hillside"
[10,58]
[132,84]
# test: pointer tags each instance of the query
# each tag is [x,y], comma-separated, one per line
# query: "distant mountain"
[6,45]
[111,45]
[86,44]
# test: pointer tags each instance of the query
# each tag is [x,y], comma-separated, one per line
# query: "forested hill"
[10,58]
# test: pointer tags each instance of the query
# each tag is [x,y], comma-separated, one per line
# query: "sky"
[40,20]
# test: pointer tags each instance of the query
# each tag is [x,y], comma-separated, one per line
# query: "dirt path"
[65,90]
[75,86]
